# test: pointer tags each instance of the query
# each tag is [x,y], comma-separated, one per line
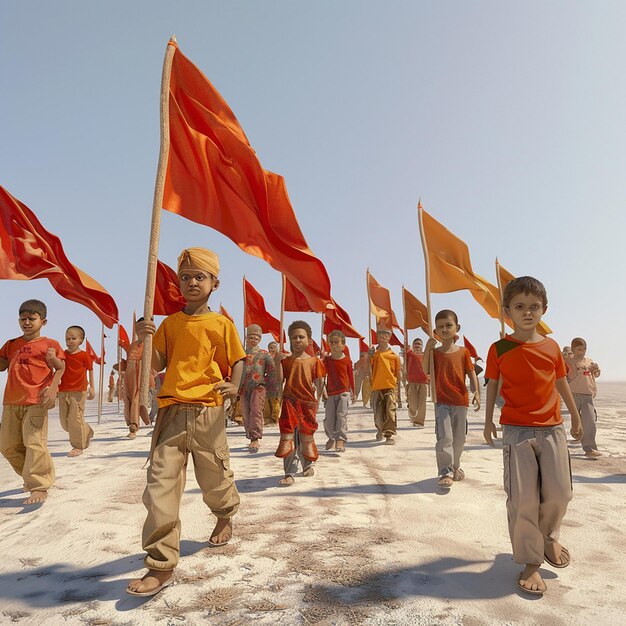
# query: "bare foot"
[222,533]
[75,452]
[36,497]
[530,579]
[287,481]
[253,446]
[152,582]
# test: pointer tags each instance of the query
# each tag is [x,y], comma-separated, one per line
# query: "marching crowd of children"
[204,364]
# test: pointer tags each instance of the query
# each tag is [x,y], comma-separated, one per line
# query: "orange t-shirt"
[414,370]
[77,364]
[340,376]
[385,370]
[28,373]
[529,372]
[451,368]
[200,351]
[299,375]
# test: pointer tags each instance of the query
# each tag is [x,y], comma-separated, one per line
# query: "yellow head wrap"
[199,258]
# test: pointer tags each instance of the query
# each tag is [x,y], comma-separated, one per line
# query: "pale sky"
[506,118]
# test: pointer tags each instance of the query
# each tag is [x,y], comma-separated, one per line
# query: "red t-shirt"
[77,364]
[414,370]
[299,375]
[451,368]
[340,376]
[529,372]
[28,372]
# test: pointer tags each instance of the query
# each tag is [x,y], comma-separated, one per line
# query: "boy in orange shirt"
[416,383]
[74,390]
[340,390]
[197,348]
[537,475]
[30,391]
[385,371]
[303,377]
[452,364]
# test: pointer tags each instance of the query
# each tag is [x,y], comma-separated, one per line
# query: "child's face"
[73,339]
[525,311]
[31,324]
[446,328]
[272,348]
[384,337]
[252,340]
[567,352]
[196,285]
[417,346]
[299,341]
[336,345]
[579,351]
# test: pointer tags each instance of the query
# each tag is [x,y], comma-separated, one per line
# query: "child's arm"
[53,361]
[476,394]
[566,393]
[48,395]
[430,346]
[490,428]
[230,389]
[143,328]
[319,387]
[90,390]
[4,364]
[594,368]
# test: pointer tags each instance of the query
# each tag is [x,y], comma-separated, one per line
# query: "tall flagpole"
[155,228]
[322,336]
[369,307]
[433,393]
[100,389]
[502,333]
[282,313]
[119,367]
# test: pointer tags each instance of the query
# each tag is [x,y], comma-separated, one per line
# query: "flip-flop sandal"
[445,482]
[285,482]
[565,559]
[146,594]
[458,475]
[534,592]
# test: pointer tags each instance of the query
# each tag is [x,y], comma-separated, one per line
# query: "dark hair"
[336,333]
[526,285]
[302,325]
[447,313]
[79,328]
[34,306]
[578,341]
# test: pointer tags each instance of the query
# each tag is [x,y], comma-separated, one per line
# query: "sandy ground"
[370,539]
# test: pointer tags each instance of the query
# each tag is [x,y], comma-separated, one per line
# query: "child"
[74,390]
[197,346]
[111,386]
[452,364]
[340,390]
[259,377]
[303,376]
[132,377]
[271,412]
[31,390]
[416,383]
[581,375]
[385,370]
[537,476]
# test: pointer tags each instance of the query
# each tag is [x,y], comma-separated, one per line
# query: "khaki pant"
[538,485]
[366,391]
[384,405]
[180,429]
[416,402]
[72,416]
[24,444]
[584,404]
[271,411]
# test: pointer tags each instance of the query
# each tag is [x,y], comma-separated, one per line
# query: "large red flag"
[92,354]
[256,313]
[380,303]
[28,250]
[167,297]
[214,177]
[337,318]
[124,341]
[295,300]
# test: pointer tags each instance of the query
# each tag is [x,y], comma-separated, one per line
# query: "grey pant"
[584,404]
[450,430]
[292,462]
[538,485]
[336,416]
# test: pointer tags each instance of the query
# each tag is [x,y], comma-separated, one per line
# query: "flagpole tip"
[419,203]
[173,41]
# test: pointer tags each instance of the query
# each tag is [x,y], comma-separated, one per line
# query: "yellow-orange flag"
[415,313]
[380,303]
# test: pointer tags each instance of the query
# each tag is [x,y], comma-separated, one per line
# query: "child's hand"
[489,432]
[430,344]
[143,328]
[48,397]
[476,400]
[50,354]
[226,389]
[90,393]
[576,430]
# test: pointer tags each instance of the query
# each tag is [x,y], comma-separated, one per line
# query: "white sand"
[370,539]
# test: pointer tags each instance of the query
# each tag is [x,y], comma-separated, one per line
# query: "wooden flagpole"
[243,284]
[322,336]
[155,228]
[502,332]
[433,393]
[369,307]
[119,368]
[281,345]
[100,389]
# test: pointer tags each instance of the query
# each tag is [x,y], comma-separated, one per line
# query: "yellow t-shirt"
[200,351]
[385,370]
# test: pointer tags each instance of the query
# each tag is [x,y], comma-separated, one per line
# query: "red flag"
[394,341]
[470,347]
[214,178]
[312,349]
[28,251]
[256,313]
[225,313]
[124,341]
[92,354]
[167,297]
[380,303]
[295,300]
[325,345]
[337,318]
[363,347]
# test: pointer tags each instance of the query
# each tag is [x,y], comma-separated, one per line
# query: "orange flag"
[124,341]
[450,268]
[380,303]
[167,297]
[504,278]
[28,251]
[92,353]
[295,300]
[470,347]
[415,313]
[337,318]
[256,313]
[214,178]
[225,313]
